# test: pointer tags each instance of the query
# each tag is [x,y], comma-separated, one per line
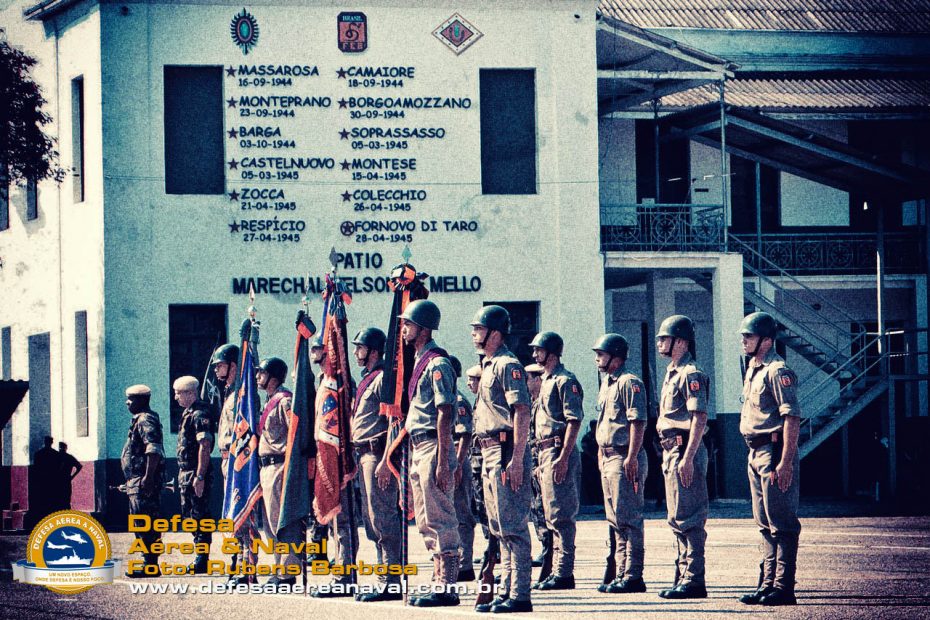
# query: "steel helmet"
[422,312]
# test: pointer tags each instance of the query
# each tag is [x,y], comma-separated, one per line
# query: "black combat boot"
[199,565]
[546,548]
[766,572]
[448,576]
[786,567]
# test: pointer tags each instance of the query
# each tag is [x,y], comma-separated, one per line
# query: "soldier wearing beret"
[770,423]
[195,472]
[143,463]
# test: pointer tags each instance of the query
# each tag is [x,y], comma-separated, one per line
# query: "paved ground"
[850,567]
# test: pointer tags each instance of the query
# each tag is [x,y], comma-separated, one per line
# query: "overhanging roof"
[795,149]
[634,66]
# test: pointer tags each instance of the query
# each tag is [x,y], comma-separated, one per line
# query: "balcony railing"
[663,227]
[838,253]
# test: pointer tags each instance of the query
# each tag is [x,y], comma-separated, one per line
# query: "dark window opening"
[40,390]
[81,387]
[743,187]
[508,131]
[194,134]
[674,185]
[77,138]
[194,332]
[32,200]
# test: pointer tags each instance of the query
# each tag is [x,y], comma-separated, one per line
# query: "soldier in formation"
[143,463]
[195,471]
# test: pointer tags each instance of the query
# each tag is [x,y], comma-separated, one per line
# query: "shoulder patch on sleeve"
[636,387]
[694,381]
[437,375]
[516,374]
[786,377]
[574,388]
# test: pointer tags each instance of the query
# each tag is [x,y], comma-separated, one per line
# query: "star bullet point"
[343,135]
[230,103]
[341,73]
[234,195]
[346,197]
[342,103]
[345,164]
[233,164]
[234,227]
[233,133]
[230,72]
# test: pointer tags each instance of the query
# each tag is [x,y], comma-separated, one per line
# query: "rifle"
[610,571]
[486,576]
[170,486]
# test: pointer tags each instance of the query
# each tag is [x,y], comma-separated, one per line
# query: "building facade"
[562,158]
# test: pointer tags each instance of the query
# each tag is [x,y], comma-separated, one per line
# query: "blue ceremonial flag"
[243,489]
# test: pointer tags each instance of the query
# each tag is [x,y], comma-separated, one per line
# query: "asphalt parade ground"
[849,567]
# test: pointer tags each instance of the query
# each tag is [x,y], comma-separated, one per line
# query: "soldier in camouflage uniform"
[502,423]
[770,423]
[557,420]
[195,470]
[143,463]
[621,425]
[462,436]
[537,513]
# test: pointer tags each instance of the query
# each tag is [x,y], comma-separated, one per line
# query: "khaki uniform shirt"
[560,398]
[436,386]
[273,439]
[685,391]
[769,394]
[621,400]
[367,422]
[502,386]
[224,435]
[463,418]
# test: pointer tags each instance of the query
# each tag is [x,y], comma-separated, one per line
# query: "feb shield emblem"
[352,29]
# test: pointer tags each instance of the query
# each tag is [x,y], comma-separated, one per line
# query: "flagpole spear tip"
[406,254]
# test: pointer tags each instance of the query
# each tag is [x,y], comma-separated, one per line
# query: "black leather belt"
[670,440]
[757,441]
[421,436]
[375,445]
[549,442]
[609,451]
[271,459]
[487,441]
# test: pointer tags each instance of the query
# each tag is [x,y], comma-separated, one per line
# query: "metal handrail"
[785,274]
[852,362]
[808,421]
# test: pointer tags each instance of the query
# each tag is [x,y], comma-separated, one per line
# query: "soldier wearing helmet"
[681,427]
[556,422]
[621,425]
[537,512]
[225,362]
[770,423]
[502,421]
[369,434]
[429,423]
[473,376]
[462,436]
[272,444]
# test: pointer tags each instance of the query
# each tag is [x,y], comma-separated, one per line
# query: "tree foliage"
[28,151]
